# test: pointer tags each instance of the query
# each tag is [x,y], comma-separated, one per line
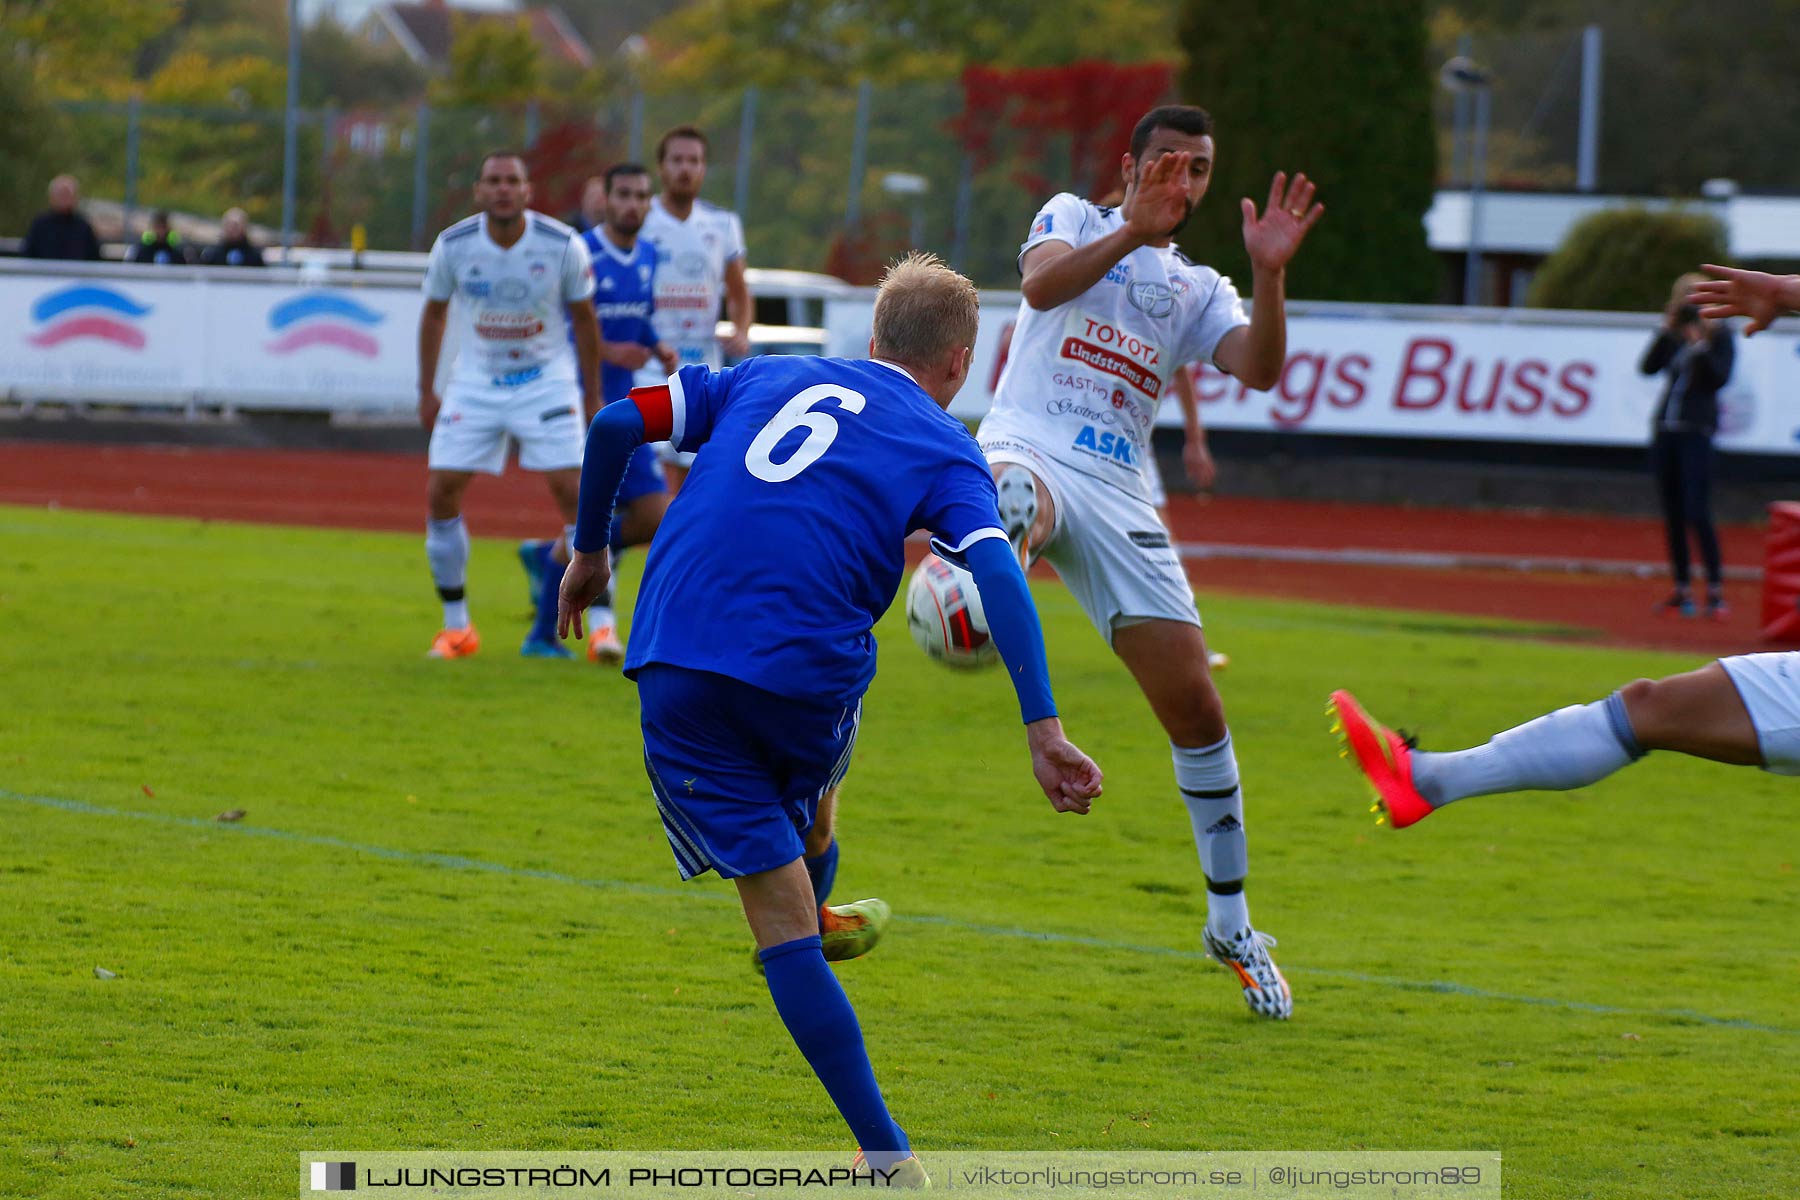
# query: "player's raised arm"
[1255,353]
[1053,271]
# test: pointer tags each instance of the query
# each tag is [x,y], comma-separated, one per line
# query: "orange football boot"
[454,643]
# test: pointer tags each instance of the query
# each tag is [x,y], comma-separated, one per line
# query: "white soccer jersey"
[1083,381]
[511,304]
[691,257]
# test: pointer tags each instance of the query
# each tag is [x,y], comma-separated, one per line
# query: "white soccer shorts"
[1109,547]
[544,418]
[1769,685]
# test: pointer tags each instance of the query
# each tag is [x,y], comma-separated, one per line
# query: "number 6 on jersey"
[795,413]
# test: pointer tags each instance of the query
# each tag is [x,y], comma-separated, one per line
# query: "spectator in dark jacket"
[592,212]
[1696,355]
[235,249]
[62,232]
[159,244]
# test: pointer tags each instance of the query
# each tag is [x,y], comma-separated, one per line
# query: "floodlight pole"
[290,141]
[1477,179]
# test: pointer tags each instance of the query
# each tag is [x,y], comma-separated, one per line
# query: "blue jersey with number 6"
[786,543]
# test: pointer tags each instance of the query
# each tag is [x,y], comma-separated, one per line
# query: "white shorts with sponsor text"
[1109,547]
[543,417]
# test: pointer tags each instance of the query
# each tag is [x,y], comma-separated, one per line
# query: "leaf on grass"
[147,790]
[1630,1037]
[231,814]
[103,973]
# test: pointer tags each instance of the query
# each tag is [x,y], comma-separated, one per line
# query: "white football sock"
[1208,779]
[1569,748]
[447,549]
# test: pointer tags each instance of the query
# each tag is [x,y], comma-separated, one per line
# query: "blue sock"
[544,627]
[819,1017]
[823,870]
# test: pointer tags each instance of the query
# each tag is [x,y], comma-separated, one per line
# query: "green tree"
[785,43]
[26,136]
[342,71]
[83,49]
[492,61]
[1624,259]
[1342,92]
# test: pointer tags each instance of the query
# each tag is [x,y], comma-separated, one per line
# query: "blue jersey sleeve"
[697,395]
[962,503]
[1013,620]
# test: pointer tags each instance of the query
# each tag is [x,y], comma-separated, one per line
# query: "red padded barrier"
[1781,574]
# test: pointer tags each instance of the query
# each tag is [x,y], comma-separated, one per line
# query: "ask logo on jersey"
[1107,444]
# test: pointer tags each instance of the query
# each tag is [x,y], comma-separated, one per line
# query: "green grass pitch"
[450,918]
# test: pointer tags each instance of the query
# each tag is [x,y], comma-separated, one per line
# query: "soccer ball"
[943,611]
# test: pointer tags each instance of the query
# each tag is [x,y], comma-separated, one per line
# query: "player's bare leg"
[1699,713]
[675,475]
[846,930]
[447,549]
[1027,510]
[1217,660]
[779,906]
[1169,661]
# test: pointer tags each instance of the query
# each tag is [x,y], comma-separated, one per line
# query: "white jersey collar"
[894,366]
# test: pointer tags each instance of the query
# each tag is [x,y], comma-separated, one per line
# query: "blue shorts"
[643,477]
[738,771]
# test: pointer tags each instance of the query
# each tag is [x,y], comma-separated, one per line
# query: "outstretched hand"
[584,580]
[1159,203]
[1273,238]
[1070,779]
[1737,293]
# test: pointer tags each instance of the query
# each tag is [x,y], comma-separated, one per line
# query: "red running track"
[357,490]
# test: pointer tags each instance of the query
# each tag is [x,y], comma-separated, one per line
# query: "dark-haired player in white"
[522,283]
[1111,311]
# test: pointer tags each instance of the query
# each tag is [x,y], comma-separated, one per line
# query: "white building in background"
[1520,229]
[349,13]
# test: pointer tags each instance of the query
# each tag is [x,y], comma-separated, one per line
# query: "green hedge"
[1625,259]
[1341,91]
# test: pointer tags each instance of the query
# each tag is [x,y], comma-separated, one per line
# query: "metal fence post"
[421,151]
[132,123]
[965,203]
[859,158]
[1587,163]
[1459,142]
[746,135]
[290,138]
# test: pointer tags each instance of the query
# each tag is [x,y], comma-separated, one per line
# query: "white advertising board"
[1562,378]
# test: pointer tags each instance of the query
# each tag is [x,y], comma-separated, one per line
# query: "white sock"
[447,549]
[1208,779]
[1569,748]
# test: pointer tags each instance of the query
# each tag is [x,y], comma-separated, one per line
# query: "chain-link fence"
[825,179]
